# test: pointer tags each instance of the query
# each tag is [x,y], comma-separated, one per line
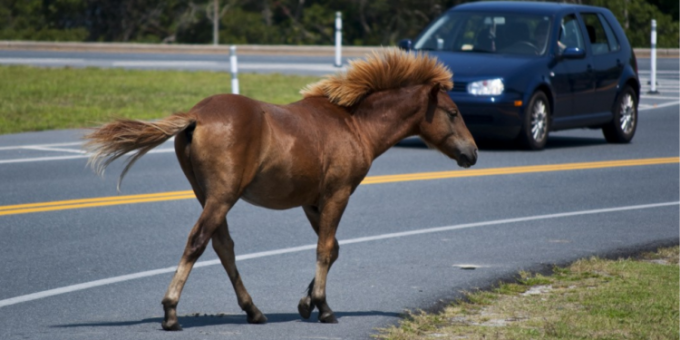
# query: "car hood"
[468,66]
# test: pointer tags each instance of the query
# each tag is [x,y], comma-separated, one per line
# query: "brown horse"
[312,153]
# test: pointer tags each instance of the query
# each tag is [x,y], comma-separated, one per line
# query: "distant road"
[313,65]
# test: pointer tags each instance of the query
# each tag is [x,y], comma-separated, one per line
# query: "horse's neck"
[387,117]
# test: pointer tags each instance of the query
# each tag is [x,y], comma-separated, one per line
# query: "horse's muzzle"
[467,159]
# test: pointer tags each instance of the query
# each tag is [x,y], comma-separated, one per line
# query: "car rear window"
[602,39]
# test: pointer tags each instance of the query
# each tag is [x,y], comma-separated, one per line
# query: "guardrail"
[315,50]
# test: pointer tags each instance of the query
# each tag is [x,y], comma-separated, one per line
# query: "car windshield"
[499,33]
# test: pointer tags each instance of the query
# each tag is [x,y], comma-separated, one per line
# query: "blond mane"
[383,69]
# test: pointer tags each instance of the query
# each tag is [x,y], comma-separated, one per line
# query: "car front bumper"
[491,116]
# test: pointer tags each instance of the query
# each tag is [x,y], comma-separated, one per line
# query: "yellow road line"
[188,194]
[54,207]
[518,170]
[113,199]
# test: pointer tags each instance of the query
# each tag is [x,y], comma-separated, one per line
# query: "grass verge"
[34,99]
[591,299]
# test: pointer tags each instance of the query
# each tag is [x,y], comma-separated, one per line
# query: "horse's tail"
[110,141]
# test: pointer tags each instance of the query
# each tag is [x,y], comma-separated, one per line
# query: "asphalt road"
[100,272]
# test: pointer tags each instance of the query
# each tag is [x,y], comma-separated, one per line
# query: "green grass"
[34,99]
[591,299]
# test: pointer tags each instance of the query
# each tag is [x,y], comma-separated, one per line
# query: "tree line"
[296,22]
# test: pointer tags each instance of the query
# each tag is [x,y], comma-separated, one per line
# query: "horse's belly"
[281,193]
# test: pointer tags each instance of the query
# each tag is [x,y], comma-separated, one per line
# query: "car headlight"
[491,87]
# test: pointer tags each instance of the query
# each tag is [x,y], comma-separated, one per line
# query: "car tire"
[624,123]
[536,124]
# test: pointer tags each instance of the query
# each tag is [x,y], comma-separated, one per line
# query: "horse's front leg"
[327,248]
[305,307]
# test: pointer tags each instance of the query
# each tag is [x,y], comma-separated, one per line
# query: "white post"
[652,76]
[234,70]
[216,22]
[338,39]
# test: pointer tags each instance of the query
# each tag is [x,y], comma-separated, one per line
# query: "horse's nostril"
[467,159]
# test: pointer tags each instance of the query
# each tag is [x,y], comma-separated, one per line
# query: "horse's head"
[444,129]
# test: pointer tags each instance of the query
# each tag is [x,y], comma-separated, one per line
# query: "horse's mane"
[384,69]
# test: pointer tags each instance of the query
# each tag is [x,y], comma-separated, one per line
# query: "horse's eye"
[452,113]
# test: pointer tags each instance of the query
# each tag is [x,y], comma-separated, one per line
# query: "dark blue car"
[522,69]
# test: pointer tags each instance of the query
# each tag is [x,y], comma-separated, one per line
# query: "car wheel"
[622,128]
[534,133]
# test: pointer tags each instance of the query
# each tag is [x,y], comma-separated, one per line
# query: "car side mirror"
[573,53]
[405,44]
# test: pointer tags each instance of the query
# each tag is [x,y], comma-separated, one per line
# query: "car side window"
[611,37]
[570,33]
[597,35]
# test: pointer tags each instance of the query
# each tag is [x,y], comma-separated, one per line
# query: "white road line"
[162,63]
[242,66]
[58,158]
[172,63]
[646,80]
[669,87]
[651,96]
[40,159]
[297,67]
[658,72]
[54,149]
[674,84]
[16,147]
[658,106]
[123,278]
[41,61]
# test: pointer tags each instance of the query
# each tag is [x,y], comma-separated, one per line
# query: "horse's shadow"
[203,320]
[554,142]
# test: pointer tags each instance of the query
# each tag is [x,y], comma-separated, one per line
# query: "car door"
[572,76]
[607,63]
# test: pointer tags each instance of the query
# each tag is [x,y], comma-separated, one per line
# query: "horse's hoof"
[305,307]
[328,318]
[258,318]
[171,326]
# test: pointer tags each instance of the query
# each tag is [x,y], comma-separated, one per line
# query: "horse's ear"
[435,90]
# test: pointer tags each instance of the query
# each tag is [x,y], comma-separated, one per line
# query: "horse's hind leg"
[224,247]
[217,184]
[212,217]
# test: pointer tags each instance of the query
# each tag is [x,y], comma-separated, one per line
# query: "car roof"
[522,6]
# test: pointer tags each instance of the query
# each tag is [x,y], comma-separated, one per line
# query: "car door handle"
[590,68]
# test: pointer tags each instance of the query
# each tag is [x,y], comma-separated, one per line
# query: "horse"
[312,153]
